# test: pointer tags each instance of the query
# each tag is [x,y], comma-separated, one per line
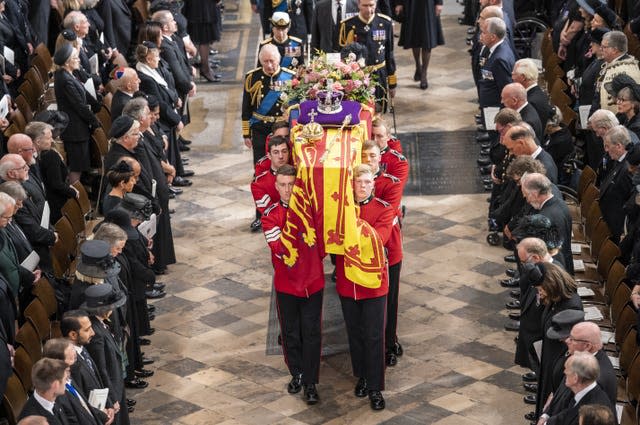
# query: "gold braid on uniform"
[346,39]
[254,91]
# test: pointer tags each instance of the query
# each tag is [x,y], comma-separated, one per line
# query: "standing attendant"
[421,31]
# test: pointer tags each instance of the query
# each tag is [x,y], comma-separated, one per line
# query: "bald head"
[491,12]
[514,96]
[129,82]
[589,334]
[13,168]
[34,420]
[22,145]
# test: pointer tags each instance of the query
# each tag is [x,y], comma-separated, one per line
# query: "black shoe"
[513,305]
[295,385]
[417,75]
[486,169]
[531,416]
[510,258]
[512,282]
[478,116]
[152,317]
[175,190]
[187,173]
[311,394]
[172,195]
[213,52]
[183,148]
[150,331]
[530,399]
[485,145]
[514,316]
[131,409]
[512,326]
[532,388]
[391,359]
[159,272]
[158,286]
[211,78]
[423,85]
[487,180]
[510,272]
[484,151]
[136,383]
[143,373]
[483,160]
[181,182]
[361,388]
[144,341]
[131,402]
[515,293]
[151,308]
[154,294]
[488,187]
[397,349]
[184,160]
[530,377]
[147,361]
[185,141]
[483,137]
[481,128]
[376,400]
[255,225]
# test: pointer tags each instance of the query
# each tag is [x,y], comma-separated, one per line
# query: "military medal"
[367,28]
[298,3]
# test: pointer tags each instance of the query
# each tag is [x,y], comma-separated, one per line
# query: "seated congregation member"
[72,99]
[52,169]
[127,82]
[149,153]
[29,217]
[105,347]
[558,292]
[49,377]
[263,185]
[514,96]
[299,309]
[581,372]
[364,308]
[389,189]
[616,187]
[22,145]
[121,180]
[75,406]
[584,337]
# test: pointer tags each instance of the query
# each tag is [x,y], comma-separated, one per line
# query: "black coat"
[54,174]
[540,101]
[35,187]
[107,356]
[71,97]
[33,408]
[615,189]
[323,27]
[85,380]
[530,327]
[530,116]
[560,145]
[118,101]
[178,65]
[8,313]
[117,24]
[20,242]
[555,209]
[165,95]
[28,218]
[76,414]
[569,416]
[550,165]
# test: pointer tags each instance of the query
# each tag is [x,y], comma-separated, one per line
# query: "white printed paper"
[578,265]
[9,55]
[98,398]
[584,116]
[31,262]
[585,292]
[489,117]
[93,64]
[148,228]
[4,106]
[90,88]
[46,213]
[333,58]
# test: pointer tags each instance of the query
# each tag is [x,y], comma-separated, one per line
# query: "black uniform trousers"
[390,336]
[300,323]
[365,321]
[259,133]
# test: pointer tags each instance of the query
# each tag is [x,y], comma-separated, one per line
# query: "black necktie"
[339,13]
[87,359]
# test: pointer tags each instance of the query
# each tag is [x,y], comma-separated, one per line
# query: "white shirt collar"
[624,155]
[580,394]
[493,48]
[522,107]
[531,86]
[535,153]
[48,406]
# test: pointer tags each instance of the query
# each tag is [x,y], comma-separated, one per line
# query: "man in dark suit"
[49,377]
[325,26]
[581,371]
[525,72]
[174,55]
[117,24]
[127,82]
[616,186]
[520,140]
[514,96]
[22,145]
[495,74]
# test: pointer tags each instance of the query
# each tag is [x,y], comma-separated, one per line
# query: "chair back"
[28,338]
[22,367]
[14,399]
[37,315]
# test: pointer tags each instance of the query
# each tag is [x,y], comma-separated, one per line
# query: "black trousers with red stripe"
[365,321]
[390,336]
[300,323]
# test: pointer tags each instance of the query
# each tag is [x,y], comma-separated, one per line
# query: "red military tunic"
[273,220]
[394,163]
[263,189]
[394,144]
[380,215]
[263,164]
[389,189]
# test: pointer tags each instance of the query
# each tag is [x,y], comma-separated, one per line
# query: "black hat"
[69,35]
[538,226]
[562,323]
[609,16]
[590,5]
[121,167]
[120,126]
[102,297]
[96,260]
[122,219]
[62,54]
[621,81]
[138,206]
[597,34]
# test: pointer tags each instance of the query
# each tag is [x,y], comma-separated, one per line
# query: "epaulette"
[269,209]
[391,177]
[256,178]
[263,159]
[382,15]
[349,18]
[252,71]
[398,154]
[266,41]
[385,203]
[290,71]
[295,39]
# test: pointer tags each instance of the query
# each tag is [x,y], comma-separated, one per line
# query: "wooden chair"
[22,367]
[106,101]
[44,292]
[37,315]
[632,389]
[31,95]
[28,338]
[45,70]
[60,260]
[140,11]
[617,273]
[101,140]
[83,198]
[43,52]
[625,320]
[14,399]
[11,130]
[104,116]
[23,106]
[18,119]
[67,236]
[71,209]
[33,76]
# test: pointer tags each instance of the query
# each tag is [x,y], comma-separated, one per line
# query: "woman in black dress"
[121,180]
[204,24]
[421,31]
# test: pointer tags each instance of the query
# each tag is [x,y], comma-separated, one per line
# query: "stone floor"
[209,345]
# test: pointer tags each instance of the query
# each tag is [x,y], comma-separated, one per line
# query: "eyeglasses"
[6,218]
[24,167]
[27,150]
[570,338]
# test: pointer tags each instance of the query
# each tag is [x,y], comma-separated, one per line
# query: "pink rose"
[337,86]
[354,66]
[295,82]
